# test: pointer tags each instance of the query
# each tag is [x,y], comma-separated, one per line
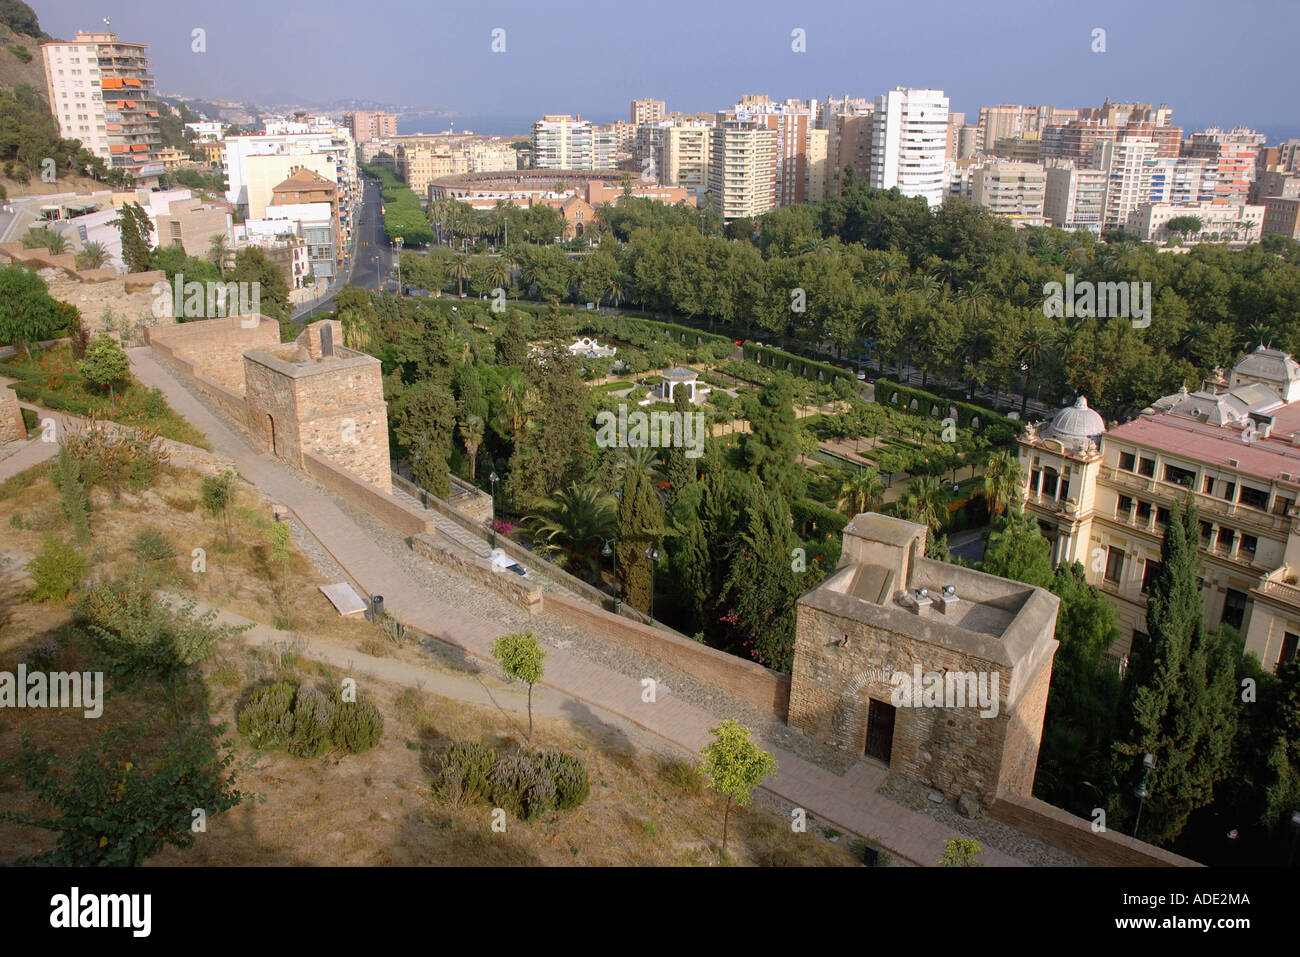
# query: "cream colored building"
[1102,497]
[742,168]
[561,141]
[818,165]
[262,173]
[1011,191]
[1074,197]
[684,156]
[1232,223]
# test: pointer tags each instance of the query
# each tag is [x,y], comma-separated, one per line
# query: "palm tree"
[58,244]
[863,491]
[1034,351]
[615,292]
[974,300]
[576,521]
[92,255]
[816,244]
[471,435]
[515,405]
[500,273]
[889,270]
[460,271]
[922,502]
[356,330]
[217,250]
[1002,480]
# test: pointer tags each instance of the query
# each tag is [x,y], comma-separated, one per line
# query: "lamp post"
[607,550]
[1141,792]
[399,241]
[653,554]
[494,478]
[1295,832]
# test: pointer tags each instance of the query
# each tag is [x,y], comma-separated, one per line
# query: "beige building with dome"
[1102,497]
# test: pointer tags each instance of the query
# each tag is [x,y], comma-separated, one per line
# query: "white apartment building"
[102,93]
[205,131]
[605,145]
[255,164]
[561,141]
[1074,198]
[742,168]
[683,156]
[908,143]
[1128,163]
[1244,223]
[1011,191]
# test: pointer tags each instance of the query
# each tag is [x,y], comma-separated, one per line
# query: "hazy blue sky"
[1213,61]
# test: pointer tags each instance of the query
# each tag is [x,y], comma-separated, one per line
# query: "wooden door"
[880,730]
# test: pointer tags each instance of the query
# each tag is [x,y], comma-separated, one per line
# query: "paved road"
[849,802]
[372,260]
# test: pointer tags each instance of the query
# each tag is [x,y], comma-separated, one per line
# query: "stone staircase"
[449,534]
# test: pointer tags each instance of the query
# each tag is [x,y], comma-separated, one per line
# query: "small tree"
[277,537]
[961,852]
[734,766]
[521,656]
[217,496]
[105,364]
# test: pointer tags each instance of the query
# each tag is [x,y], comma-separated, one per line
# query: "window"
[1226,537]
[1149,572]
[1147,467]
[1114,564]
[1282,505]
[1179,476]
[1229,489]
[1234,608]
[1208,487]
[1126,461]
[1050,479]
[1162,516]
[1255,498]
[1248,545]
[1207,533]
[1144,512]
[1290,643]
[1125,506]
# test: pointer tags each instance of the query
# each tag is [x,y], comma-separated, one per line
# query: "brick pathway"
[847,802]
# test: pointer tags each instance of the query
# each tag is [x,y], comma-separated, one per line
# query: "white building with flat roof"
[909,143]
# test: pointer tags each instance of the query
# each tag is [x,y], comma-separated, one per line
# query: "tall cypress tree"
[640,526]
[1179,698]
[678,469]
[772,449]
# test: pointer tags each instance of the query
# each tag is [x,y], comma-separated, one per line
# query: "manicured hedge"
[900,397]
[807,514]
[796,365]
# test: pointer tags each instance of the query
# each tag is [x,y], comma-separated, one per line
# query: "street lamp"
[1142,792]
[1295,832]
[494,478]
[653,554]
[398,241]
[608,552]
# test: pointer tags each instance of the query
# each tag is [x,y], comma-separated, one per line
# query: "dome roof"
[1077,425]
[1273,365]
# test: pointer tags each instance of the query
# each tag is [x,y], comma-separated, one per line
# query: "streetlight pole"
[1141,792]
[653,554]
[494,478]
[1295,832]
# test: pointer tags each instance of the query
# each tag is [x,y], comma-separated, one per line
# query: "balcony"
[1280,584]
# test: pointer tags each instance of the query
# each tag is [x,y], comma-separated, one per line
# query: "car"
[739,342]
[862,377]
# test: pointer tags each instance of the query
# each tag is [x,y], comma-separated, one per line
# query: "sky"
[1225,62]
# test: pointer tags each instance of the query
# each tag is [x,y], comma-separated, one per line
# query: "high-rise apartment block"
[370,125]
[561,141]
[909,133]
[742,168]
[1232,153]
[645,111]
[1012,120]
[102,93]
[1075,197]
[1011,191]
[684,156]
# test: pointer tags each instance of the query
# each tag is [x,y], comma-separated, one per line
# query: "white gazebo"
[678,375]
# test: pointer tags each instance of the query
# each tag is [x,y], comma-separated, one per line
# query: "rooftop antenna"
[107,22]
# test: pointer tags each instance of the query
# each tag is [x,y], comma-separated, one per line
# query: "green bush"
[56,571]
[30,419]
[314,712]
[522,784]
[151,545]
[466,773]
[267,719]
[570,777]
[357,726]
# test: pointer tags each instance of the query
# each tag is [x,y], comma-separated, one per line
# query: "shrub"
[570,777]
[56,571]
[72,494]
[121,457]
[151,545]
[45,656]
[314,714]
[523,786]
[466,773]
[30,419]
[685,775]
[358,725]
[267,719]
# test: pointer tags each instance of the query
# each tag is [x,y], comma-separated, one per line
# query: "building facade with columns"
[1103,497]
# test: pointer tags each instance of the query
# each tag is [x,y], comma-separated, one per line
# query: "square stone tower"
[938,671]
[315,396]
